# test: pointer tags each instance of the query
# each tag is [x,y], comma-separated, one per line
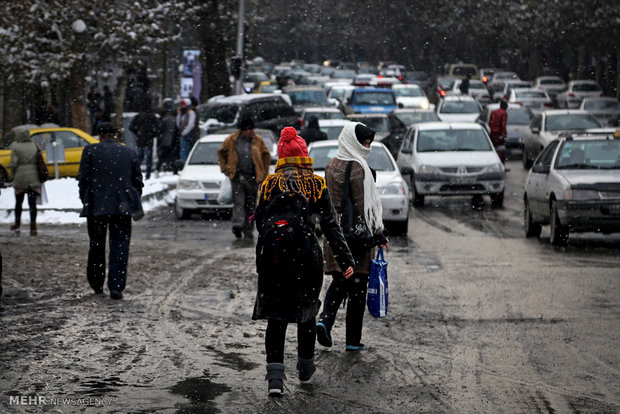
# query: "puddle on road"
[201,391]
[233,360]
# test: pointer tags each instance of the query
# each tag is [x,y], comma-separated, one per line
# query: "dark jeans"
[276,335]
[32,203]
[120,236]
[245,190]
[148,151]
[355,289]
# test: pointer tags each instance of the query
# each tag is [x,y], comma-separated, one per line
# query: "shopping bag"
[225,195]
[377,298]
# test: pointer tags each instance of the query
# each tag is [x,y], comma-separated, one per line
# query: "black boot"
[275,376]
[306,368]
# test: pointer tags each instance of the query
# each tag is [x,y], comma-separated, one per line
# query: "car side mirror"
[406,171]
[535,130]
[406,151]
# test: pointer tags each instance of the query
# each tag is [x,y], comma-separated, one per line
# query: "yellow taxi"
[70,141]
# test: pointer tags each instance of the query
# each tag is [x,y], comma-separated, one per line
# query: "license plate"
[463,180]
[206,196]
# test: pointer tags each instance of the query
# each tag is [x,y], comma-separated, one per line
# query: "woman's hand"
[386,246]
[349,272]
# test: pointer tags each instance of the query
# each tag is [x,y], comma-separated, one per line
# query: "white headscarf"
[350,149]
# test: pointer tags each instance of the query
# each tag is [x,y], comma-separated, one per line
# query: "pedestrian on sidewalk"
[288,291]
[186,122]
[110,184]
[244,158]
[353,146]
[167,145]
[25,178]
[146,127]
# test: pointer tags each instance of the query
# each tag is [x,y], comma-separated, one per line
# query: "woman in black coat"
[292,295]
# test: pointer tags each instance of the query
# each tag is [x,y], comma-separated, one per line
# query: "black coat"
[295,297]
[312,134]
[146,126]
[110,180]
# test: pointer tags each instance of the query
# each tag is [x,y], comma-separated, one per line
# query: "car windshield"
[463,70]
[205,153]
[307,97]
[223,113]
[409,91]
[409,118]
[551,82]
[459,107]
[323,115]
[255,77]
[518,116]
[571,122]
[590,154]
[378,160]
[586,87]
[268,88]
[605,104]
[344,74]
[477,85]
[453,140]
[374,98]
[376,123]
[445,83]
[530,94]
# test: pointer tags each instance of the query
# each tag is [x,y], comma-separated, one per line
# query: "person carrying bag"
[377,299]
[357,187]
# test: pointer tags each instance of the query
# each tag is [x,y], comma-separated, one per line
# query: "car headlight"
[581,195]
[395,188]
[428,169]
[189,185]
[424,104]
[495,168]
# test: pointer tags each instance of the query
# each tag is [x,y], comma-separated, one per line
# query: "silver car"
[535,100]
[548,125]
[574,185]
[550,84]
[604,108]
[576,91]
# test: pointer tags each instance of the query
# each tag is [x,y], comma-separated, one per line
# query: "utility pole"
[240,54]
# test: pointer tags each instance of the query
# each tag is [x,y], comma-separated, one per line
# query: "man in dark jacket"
[464,86]
[312,132]
[146,127]
[168,142]
[110,184]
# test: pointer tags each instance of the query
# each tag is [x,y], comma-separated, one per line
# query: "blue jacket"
[110,180]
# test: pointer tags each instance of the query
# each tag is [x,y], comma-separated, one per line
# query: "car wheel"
[3,177]
[497,200]
[181,213]
[531,229]
[418,199]
[526,161]
[559,233]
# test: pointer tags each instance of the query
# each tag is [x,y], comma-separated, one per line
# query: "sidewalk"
[63,202]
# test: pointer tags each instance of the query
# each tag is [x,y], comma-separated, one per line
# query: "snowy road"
[480,320]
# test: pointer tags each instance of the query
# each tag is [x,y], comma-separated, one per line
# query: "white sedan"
[575,91]
[200,180]
[458,108]
[451,159]
[393,190]
[410,96]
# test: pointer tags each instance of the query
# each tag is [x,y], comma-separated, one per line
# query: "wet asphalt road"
[480,320]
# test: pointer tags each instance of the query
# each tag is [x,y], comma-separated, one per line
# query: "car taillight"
[572,95]
[301,122]
[484,79]
[379,76]
[548,104]
[485,97]
[400,78]
[442,93]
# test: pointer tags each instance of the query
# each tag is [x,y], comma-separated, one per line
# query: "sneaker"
[275,388]
[356,348]
[322,335]
[115,294]
[237,231]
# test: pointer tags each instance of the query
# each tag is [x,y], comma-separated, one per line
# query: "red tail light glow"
[548,104]
[484,79]
[442,93]
[572,95]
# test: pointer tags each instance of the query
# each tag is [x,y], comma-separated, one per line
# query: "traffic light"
[235,67]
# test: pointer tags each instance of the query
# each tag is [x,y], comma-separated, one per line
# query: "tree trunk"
[215,79]
[119,98]
[14,106]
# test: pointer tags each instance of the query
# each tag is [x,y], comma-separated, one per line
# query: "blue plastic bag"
[377,298]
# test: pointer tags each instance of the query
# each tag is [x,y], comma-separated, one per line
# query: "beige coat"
[227,156]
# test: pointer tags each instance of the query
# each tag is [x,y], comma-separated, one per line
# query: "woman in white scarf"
[350,149]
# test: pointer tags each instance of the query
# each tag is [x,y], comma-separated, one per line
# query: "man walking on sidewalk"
[110,184]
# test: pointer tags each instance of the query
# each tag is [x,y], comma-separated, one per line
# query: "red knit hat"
[291,144]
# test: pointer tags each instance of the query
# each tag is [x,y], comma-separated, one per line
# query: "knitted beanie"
[291,144]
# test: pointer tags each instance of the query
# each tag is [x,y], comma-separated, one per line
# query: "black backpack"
[284,241]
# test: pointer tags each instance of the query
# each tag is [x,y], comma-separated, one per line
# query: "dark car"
[269,111]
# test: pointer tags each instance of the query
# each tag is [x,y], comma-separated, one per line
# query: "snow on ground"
[63,202]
